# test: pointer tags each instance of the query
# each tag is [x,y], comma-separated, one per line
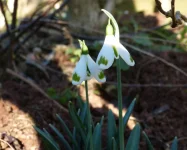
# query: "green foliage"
[48,141]
[174,144]
[111,130]
[134,139]
[148,142]
[143,39]
[79,138]
[63,97]
[128,113]
[74,54]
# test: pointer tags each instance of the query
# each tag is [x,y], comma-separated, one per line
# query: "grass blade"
[50,144]
[114,144]
[88,138]
[77,122]
[101,122]
[174,144]
[97,137]
[61,137]
[134,139]
[83,112]
[148,142]
[128,113]
[68,131]
[111,130]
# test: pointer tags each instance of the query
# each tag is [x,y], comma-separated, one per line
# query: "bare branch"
[176,16]
[14,14]
[4,14]
[174,24]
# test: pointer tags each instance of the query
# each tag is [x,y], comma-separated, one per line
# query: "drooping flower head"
[86,68]
[112,48]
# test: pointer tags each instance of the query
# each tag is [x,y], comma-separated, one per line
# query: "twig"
[176,17]
[151,85]
[4,14]
[151,38]
[7,144]
[30,26]
[158,58]
[174,24]
[14,14]
[36,87]
[37,28]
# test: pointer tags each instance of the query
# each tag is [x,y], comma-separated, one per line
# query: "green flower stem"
[89,115]
[120,106]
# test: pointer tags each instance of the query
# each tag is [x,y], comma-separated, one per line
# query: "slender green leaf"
[76,138]
[64,126]
[61,137]
[78,112]
[88,138]
[50,137]
[50,143]
[77,122]
[114,144]
[111,130]
[143,39]
[80,102]
[128,113]
[134,139]
[101,122]
[97,137]
[83,112]
[174,145]
[148,142]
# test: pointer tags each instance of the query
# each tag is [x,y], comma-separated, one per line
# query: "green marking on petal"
[101,75]
[115,51]
[131,59]
[103,61]
[88,69]
[88,72]
[76,77]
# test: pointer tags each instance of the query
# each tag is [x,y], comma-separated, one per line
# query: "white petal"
[111,40]
[95,71]
[125,55]
[80,71]
[106,56]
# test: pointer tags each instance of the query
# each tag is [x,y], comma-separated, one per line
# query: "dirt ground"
[160,110]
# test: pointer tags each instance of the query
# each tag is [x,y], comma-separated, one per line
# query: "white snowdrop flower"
[86,68]
[112,48]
